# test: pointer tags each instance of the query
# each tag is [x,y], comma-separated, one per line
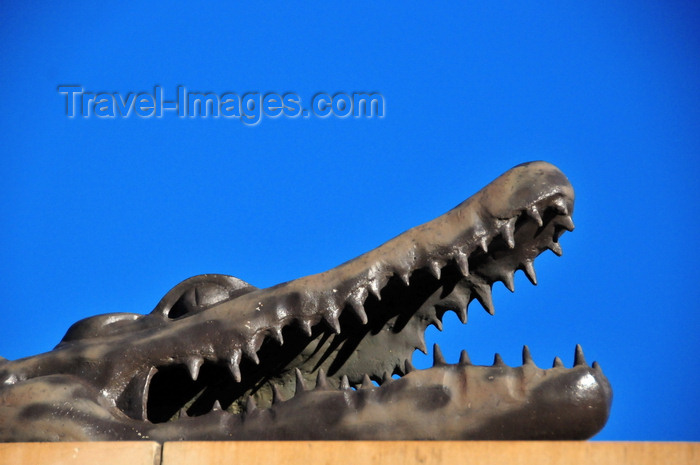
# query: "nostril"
[100,326]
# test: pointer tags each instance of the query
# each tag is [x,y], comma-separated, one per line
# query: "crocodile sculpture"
[325,356]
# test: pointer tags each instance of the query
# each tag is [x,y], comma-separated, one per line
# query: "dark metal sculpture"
[220,359]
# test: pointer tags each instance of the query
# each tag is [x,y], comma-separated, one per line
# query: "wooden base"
[357,452]
[94,453]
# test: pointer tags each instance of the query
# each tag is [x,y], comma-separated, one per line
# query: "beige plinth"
[94,453]
[360,452]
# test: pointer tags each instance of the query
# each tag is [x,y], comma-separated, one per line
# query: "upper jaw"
[380,303]
[483,237]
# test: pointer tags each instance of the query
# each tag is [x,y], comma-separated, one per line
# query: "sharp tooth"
[560,205]
[366,382]
[216,406]
[567,222]
[434,268]
[193,366]
[556,248]
[463,263]
[484,244]
[507,231]
[332,320]
[527,357]
[507,279]
[358,309]
[596,367]
[373,286]
[276,396]
[579,359]
[529,270]
[344,383]
[249,351]
[461,314]
[409,367]
[464,358]
[250,405]
[300,382]
[438,359]
[386,378]
[534,214]
[483,295]
[437,323]
[305,326]
[321,380]
[421,345]
[276,334]
[458,302]
[498,361]
[234,365]
[405,277]
[557,363]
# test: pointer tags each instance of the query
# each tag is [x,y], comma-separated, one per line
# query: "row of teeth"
[322,383]
[439,359]
[505,228]
[356,298]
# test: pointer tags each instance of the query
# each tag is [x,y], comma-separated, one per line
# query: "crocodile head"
[325,356]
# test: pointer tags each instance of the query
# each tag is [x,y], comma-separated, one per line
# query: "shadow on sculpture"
[326,356]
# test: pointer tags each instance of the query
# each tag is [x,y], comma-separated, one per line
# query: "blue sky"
[106,215]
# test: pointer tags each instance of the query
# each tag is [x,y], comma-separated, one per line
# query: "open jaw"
[328,356]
